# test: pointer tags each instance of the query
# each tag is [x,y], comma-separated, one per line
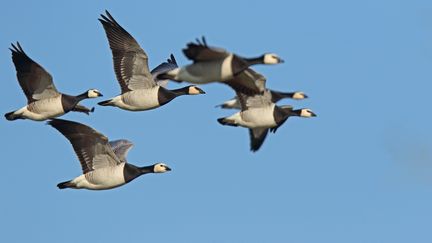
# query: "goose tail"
[10,116]
[105,103]
[65,184]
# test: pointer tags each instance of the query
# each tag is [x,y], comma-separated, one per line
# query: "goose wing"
[257,137]
[248,82]
[248,100]
[130,60]
[164,67]
[34,80]
[121,148]
[91,147]
[200,51]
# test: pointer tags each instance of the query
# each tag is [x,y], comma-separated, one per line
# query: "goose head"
[160,168]
[271,58]
[194,90]
[307,113]
[93,93]
[299,96]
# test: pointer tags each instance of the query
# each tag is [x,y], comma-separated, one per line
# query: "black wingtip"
[64,185]
[204,41]
[172,59]
[107,19]
[104,103]
[10,116]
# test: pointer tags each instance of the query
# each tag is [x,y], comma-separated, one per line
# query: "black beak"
[200,90]
[167,168]
[99,94]
[313,114]
[281,60]
[305,96]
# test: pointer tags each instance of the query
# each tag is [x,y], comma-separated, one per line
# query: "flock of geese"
[104,162]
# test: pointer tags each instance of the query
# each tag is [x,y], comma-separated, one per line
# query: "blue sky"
[359,172]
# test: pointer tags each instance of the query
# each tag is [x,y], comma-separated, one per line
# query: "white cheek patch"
[306,113]
[270,59]
[298,96]
[92,94]
[160,168]
[193,91]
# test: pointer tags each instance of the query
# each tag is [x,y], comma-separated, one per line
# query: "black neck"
[295,113]
[70,101]
[146,169]
[255,60]
[276,95]
[181,91]
[166,95]
[131,171]
[82,96]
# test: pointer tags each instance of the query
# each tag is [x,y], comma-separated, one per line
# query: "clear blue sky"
[359,172]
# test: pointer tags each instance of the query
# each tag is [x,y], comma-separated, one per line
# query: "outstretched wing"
[121,148]
[36,83]
[257,100]
[248,82]
[91,147]
[200,51]
[164,67]
[130,60]
[257,137]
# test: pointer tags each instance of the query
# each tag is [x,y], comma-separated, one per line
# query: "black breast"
[68,102]
[279,115]
[165,96]
[130,172]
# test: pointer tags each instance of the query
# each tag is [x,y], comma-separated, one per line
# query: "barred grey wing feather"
[34,80]
[130,60]
[90,146]
[121,148]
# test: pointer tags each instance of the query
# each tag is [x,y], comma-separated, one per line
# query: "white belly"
[207,72]
[258,117]
[138,100]
[42,109]
[101,179]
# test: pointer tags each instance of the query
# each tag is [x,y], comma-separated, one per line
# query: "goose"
[43,99]
[276,96]
[259,114]
[212,64]
[103,163]
[139,89]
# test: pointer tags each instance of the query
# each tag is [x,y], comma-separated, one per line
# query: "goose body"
[103,163]
[212,64]
[43,99]
[260,114]
[254,118]
[101,179]
[207,72]
[140,89]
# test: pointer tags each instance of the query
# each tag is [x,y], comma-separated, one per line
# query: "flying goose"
[103,163]
[259,113]
[139,89]
[43,99]
[276,96]
[211,64]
